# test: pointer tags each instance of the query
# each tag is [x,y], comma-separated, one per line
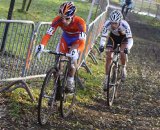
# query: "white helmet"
[115,16]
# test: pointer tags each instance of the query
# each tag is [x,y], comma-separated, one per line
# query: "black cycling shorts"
[113,40]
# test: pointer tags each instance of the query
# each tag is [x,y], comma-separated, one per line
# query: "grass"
[42,10]
[149,20]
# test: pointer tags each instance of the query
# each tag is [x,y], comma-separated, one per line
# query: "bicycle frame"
[53,90]
[116,55]
[113,76]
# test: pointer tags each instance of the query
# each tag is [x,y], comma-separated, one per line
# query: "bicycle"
[54,96]
[114,76]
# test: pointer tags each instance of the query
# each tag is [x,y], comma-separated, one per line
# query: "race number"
[82,35]
[50,31]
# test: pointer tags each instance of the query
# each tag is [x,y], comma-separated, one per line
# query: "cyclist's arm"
[51,30]
[129,36]
[105,33]
[82,35]
[130,43]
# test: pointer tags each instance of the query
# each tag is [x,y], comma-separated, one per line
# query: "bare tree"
[24,5]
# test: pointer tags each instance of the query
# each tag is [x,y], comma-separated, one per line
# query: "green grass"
[149,20]
[42,10]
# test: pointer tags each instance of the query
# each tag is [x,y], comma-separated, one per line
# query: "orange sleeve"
[83,25]
[45,39]
[51,30]
[82,42]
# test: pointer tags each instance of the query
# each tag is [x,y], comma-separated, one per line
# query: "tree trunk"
[23,5]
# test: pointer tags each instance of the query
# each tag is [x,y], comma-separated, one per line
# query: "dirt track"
[137,108]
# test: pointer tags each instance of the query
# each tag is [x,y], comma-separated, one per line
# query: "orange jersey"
[74,29]
[77,25]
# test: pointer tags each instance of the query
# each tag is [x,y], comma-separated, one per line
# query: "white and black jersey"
[123,29]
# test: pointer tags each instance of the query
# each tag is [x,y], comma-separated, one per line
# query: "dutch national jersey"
[123,29]
[75,27]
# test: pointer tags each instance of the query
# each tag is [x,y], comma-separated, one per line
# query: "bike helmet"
[67,9]
[115,16]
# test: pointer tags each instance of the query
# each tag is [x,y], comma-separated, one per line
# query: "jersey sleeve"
[82,35]
[128,30]
[82,25]
[105,33]
[51,30]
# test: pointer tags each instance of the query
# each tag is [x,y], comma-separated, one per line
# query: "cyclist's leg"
[123,7]
[126,11]
[111,45]
[62,47]
[73,62]
[73,65]
[75,45]
[123,55]
[123,60]
[129,7]
[109,55]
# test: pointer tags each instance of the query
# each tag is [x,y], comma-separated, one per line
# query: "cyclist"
[128,4]
[118,32]
[72,40]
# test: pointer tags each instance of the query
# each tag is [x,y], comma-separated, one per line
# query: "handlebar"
[52,52]
[126,51]
[116,51]
[58,53]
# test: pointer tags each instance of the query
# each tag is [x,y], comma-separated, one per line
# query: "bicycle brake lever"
[69,55]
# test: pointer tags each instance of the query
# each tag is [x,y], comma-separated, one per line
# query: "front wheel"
[67,99]
[47,98]
[111,85]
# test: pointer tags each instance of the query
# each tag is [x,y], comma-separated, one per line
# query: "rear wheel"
[47,98]
[111,85]
[67,99]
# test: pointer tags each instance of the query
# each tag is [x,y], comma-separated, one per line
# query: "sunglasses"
[66,18]
[114,23]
